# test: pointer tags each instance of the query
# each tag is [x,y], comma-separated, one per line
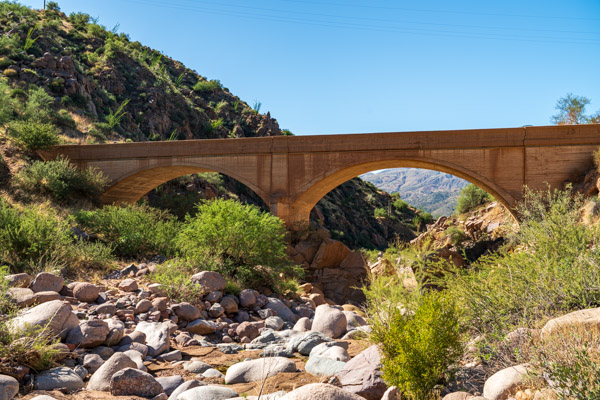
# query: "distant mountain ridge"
[432,191]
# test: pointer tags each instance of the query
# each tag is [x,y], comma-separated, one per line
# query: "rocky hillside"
[432,191]
[106,87]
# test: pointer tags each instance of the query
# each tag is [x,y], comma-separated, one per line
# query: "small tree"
[571,111]
[238,240]
[471,197]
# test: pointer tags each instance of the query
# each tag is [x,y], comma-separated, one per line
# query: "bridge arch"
[311,192]
[132,186]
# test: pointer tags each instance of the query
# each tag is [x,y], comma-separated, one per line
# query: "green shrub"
[207,86]
[557,269]
[38,106]
[32,238]
[33,135]
[240,241]
[175,278]
[380,212]
[6,103]
[419,335]
[471,197]
[455,234]
[79,20]
[400,205]
[9,44]
[134,231]
[62,180]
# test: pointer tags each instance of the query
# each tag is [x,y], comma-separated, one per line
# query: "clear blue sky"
[345,66]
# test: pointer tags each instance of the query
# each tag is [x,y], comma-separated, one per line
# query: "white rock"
[208,393]
[157,337]
[330,321]
[58,378]
[504,382]
[100,380]
[9,387]
[256,370]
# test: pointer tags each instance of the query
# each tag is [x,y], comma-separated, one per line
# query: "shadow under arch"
[311,192]
[130,188]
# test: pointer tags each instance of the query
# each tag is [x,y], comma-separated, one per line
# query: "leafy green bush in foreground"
[238,240]
[419,335]
[134,231]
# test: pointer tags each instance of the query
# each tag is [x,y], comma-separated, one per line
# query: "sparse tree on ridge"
[571,111]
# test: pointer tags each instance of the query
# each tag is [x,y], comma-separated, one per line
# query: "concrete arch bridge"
[292,173]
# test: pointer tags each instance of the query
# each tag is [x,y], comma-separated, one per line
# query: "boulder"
[275,323]
[248,298]
[92,362]
[586,320]
[393,393]
[142,306]
[21,280]
[211,281]
[86,292]
[22,297]
[331,253]
[186,311]
[9,387]
[116,331]
[196,367]
[46,282]
[170,383]
[88,334]
[229,304]
[304,324]
[323,366]
[133,382]
[128,285]
[505,382]
[100,380]
[362,375]
[304,343]
[320,391]
[201,327]
[257,370]
[62,378]
[329,321]
[332,350]
[353,320]
[53,315]
[216,310]
[208,393]
[157,336]
[247,329]
[281,309]
[137,358]
[185,387]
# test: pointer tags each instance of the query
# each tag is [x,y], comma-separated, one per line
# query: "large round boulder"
[329,321]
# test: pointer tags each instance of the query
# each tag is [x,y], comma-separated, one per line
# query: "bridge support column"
[293,218]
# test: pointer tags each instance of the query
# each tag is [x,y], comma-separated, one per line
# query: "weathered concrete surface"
[292,173]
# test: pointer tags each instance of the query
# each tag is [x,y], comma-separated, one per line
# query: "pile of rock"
[110,331]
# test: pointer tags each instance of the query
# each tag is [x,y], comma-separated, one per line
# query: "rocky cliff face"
[108,88]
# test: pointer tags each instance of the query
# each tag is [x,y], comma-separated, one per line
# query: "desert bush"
[455,234]
[62,180]
[379,212]
[471,197]
[207,86]
[33,135]
[32,237]
[6,103]
[570,359]
[238,240]
[134,231]
[175,276]
[38,106]
[400,205]
[555,270]
[419,335]
[33,347]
